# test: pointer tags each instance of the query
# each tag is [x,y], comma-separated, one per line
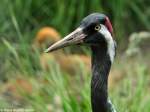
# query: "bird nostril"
[69,39]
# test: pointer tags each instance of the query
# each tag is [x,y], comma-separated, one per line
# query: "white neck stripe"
[110,42]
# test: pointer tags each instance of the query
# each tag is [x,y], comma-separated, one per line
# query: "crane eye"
[97,27]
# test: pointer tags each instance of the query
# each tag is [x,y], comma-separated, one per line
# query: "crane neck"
[101,65]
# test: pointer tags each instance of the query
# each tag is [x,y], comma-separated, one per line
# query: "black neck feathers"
[101,65]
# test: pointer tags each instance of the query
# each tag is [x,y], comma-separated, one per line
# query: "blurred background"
[60,81]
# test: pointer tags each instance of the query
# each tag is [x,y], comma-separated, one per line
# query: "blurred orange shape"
[46,36]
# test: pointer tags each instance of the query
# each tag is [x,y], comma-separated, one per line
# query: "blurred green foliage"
[29,15]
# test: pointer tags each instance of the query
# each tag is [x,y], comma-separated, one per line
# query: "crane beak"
[76,37]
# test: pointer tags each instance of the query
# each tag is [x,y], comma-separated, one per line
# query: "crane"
[95,31]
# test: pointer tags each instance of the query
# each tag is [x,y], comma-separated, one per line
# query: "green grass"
[21,17]
[72,93]
[131,93]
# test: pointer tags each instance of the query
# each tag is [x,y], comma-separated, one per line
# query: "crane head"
[93,29]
